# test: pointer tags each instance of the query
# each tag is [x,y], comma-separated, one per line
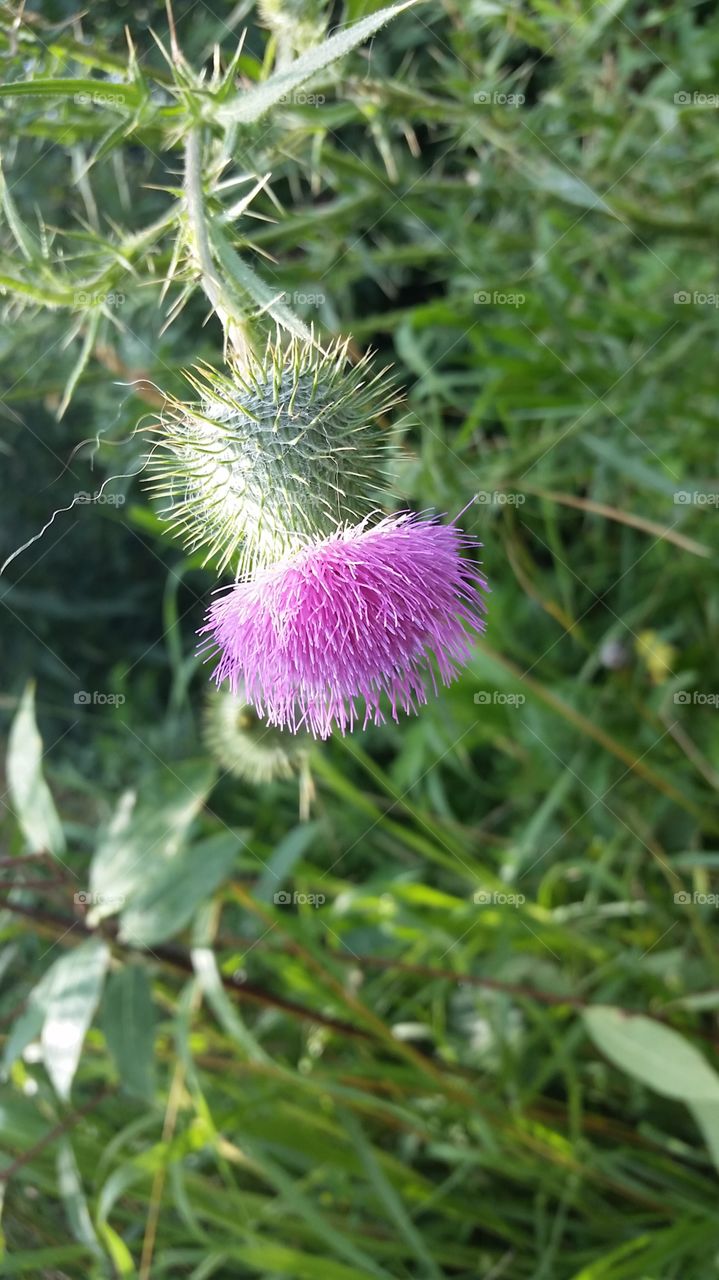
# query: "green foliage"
[462,1021]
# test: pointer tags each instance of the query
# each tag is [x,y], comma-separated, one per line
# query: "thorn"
[177,57]
[161,46]
[130,44]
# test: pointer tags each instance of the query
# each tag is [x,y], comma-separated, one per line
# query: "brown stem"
[520,990]
[68,1123]
[177,958]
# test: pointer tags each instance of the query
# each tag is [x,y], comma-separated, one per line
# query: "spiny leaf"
[252,105]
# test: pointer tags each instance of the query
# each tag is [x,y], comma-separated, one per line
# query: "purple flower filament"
[361,616]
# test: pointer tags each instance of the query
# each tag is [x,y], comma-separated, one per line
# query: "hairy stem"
[224,303]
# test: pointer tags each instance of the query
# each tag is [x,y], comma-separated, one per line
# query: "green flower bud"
[245,747]
[286,448]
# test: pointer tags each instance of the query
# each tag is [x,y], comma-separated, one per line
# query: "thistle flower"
[296,24]
[287,447]
[245,746]
[368,615]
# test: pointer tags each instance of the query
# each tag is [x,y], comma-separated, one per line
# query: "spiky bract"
[365,616]
[285,448]
[245,746]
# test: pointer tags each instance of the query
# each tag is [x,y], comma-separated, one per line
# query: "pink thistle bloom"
[365,612]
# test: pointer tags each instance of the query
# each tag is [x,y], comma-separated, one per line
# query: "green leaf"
[20,233]
[128,1024]
[654,1054]
[250,106]
[389,1198]
[29,793]
[268,1257]
[97,92]
[25,1030]
[208,975]
[706,1115]
[644,474]
[86,350]
[558,181]
[34,1262]
[71,1191]
[173,889]
[252,286]
[292,1199]
[287,853]
[119,1181]
[605,1267]
[145,835]
[77,979]
[28,1026]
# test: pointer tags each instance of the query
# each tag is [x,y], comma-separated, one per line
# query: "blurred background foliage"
[369,1018]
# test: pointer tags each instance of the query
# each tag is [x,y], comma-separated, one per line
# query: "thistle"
[354,623]
[296,24]
[288,446]
[247,748]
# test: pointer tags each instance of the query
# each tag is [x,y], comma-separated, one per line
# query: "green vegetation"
[439,999]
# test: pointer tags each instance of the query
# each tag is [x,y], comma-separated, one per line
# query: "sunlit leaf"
[29,793]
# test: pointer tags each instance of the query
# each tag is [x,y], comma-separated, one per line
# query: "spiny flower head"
[362,619]
[299,23]
[285,447]
[246,747]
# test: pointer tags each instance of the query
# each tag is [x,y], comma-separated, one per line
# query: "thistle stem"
[229,313]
